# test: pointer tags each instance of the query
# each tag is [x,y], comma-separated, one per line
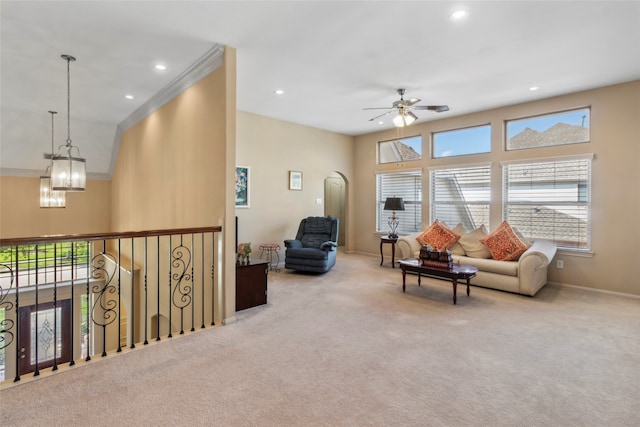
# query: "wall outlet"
[560,264]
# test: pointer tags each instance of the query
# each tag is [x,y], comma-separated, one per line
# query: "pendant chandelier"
[68,172]
[48,197]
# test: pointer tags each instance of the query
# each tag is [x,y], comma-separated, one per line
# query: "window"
[550,200]
[567,127]
[407,185]
[461,195]
[400,150]
[459,142]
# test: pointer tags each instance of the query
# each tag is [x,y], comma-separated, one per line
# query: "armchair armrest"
[329,246]
[292,244]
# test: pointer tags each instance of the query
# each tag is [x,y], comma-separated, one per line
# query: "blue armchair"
[315,246]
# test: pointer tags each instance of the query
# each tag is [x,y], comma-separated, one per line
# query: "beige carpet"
[349,348]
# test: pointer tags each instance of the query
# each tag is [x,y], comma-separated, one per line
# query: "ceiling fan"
[405,116]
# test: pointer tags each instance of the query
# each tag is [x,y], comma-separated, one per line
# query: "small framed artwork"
[242,186]
[295,180]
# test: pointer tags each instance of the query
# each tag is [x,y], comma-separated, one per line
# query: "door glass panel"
[45,335]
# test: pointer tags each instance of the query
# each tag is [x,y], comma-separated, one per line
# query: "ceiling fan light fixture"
[404,118]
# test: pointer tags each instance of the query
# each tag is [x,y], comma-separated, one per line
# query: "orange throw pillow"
[438,236]
[504,244]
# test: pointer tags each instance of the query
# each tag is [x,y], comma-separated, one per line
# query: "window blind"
[407,185]
[550,200]
[461,195]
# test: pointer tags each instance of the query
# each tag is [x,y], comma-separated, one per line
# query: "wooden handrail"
[105,236]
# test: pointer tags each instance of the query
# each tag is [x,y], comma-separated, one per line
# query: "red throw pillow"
[504,244]
[438,236]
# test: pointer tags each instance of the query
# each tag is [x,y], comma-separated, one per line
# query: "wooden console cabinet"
[251,284]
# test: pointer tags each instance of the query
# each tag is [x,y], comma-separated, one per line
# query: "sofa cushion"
[438,236]
[504,243]
[457,249]
[506,268]
[470,242]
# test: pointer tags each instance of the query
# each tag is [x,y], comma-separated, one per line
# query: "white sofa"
[525,276]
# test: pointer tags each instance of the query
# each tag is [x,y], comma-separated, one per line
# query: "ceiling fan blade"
[436,108]
[412,101]
[376,108]
[383,114]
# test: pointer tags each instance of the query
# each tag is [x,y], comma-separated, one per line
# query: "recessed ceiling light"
[161,67]
[533,88]
[380,122]
[278,91]
[459,15]
[130,97]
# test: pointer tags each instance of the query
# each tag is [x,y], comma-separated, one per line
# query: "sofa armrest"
[292,244]
[408,245]
[532,266]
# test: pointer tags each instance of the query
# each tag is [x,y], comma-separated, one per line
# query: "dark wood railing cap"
[105,236]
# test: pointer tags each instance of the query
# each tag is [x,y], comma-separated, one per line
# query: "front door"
[44,335]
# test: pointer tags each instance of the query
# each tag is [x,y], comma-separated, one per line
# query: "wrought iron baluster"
[181,295]
[107,307]
[133,301]
[37,329]
[202,275]
[192,287]
[89,306]
[146,293]
[119,267]
[213,285]
[169,294]
[55,305]
[73,299]
[158,288]
[17,336]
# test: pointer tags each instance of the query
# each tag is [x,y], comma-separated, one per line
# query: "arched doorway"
[335,200]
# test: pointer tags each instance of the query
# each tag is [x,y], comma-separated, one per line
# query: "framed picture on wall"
[242,186]
[295,180]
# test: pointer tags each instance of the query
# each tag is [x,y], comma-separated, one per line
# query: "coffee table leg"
[404,277]
[455,288]
[468,280]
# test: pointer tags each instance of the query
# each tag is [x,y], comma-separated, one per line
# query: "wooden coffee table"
[457,271]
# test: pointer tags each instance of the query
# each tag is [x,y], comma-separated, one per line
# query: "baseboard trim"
[229,320]
[601,291]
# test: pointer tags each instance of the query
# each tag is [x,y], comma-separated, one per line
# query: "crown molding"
[206,64]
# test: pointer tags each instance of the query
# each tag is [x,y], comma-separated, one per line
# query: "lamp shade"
[48,197]
[394,204]
[68,173]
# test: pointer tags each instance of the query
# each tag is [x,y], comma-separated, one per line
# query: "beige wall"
[21,215]
[271,148]
[170,171]
[615,126]
[173,169]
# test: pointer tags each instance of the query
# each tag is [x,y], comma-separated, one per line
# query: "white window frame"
[555,143]
[438,199]
[558,201]
[411,217]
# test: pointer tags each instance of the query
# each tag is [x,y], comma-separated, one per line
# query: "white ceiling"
[331,58]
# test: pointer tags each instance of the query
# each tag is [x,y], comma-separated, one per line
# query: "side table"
[271,249]
[392,241]
[251,284]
